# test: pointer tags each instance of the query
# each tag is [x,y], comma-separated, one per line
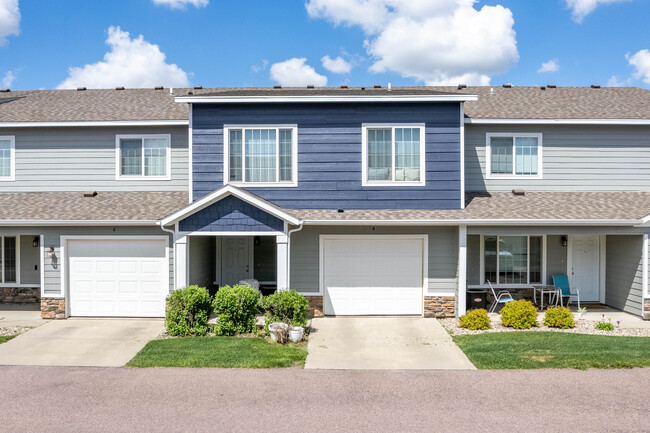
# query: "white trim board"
[475,222]
[95,123]
[321,98]
[78,222]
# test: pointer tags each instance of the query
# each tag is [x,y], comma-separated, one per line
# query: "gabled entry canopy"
[231,209]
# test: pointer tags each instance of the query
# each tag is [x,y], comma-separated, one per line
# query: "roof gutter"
[324,98]
[78,222]
[94,123]
[476,222]
[481,121]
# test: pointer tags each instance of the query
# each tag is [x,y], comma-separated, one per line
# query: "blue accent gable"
[231,214]
[329,153]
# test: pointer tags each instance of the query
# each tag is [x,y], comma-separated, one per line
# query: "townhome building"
[368,200]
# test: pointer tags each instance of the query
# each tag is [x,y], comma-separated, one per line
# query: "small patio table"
[545,290]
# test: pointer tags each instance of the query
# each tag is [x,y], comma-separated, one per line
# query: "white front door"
[236,258]
[585,263]
[372,275]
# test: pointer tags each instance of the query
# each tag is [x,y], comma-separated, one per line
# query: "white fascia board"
[77,222]
[96,123]
[476,222]
[479,121]
[222,193]
[319,98]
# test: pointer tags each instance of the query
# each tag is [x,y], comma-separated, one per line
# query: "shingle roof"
[90,105]
[73,206]
[594,206]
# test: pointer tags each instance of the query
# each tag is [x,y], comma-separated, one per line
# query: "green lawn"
[225,352]
[516,350]
[6,338]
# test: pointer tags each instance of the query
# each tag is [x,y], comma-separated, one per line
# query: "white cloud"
[296,72]
[435,41]
[181,4]
[582,8]
[552,65]
[8,80]
[615,82]
[338,65]
[9,19]
[260,68]
[641,63]
[129,62]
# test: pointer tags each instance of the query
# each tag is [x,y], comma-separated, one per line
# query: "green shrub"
[476,320]
[519,314]
[188,311]
[287,306]
[559,317]
[605,326]
[236,308]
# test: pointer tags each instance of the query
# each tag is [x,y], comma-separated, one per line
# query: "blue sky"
[262,42]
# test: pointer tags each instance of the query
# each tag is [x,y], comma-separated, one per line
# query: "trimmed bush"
[559,317]
[236,308]
[476,320]
[519,314]
[287,306]
[188,311]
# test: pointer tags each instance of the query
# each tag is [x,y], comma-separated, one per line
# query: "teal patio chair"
[562,283]
[503,297]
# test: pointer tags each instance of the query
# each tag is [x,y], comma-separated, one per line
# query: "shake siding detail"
[575,158]
[329,153]
[82,159]
[624,273]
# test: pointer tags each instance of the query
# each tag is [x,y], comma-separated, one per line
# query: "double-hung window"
[514,155]
[512,259]
[393,155]
[261,155]
[8,259]
[143,156]
[7,158]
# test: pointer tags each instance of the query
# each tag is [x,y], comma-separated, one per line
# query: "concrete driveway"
[81,342]
[383,343]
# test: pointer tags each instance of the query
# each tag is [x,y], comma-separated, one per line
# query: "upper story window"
[143,156]
[514,155]
[393,155]
[261,155]
[7,158]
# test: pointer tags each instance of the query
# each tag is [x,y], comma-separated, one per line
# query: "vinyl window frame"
[142,137]
[12,141]
[3,283]
[277,184]
[364,154]
[513,175]
[528,283]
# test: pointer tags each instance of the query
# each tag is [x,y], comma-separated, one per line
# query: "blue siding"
[231,214]
[329,153]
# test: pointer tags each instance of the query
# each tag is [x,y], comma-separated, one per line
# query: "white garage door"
[372,275]
[118,278]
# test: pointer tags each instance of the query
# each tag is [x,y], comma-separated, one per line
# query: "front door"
[235,259]
[585,265]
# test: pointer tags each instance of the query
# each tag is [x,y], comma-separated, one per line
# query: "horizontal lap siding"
[329,154]
[624,273]
[579,158]
[81,159]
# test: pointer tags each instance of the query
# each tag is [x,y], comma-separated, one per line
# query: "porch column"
[180,262]
[645,294]
[462,270]
[282,277]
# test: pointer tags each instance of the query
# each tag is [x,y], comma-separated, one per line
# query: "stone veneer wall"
[439,306]
[20,295]
[53,308]
[315,306]
[646,310]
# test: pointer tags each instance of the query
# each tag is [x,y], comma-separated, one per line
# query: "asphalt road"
[80,399]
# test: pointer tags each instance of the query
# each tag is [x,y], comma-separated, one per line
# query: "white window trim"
[278,184]
[513,135]
[364,154]
[12,176]
[483,282]
[118,154]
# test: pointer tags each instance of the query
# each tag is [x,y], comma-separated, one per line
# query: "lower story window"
[513,259]
[8,258]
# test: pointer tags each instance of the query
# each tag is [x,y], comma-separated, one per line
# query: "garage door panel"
[373,275]
[122,278]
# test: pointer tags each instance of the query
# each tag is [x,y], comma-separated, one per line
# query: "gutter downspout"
[289,233]
[173,233]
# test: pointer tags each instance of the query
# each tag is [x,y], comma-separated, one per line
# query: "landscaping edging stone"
[53,308]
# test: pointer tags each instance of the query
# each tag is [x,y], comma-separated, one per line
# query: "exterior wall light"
[50,252]
[564,241]
[36,241]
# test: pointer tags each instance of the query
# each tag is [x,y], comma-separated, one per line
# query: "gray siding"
[30,258]
[578,158]
[202,250]
[443,255]
[473,259]
[81,159]
[624,270]
[556,257]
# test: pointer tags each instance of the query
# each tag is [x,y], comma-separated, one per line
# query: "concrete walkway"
[81,342]
[27,315]
[383,343]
